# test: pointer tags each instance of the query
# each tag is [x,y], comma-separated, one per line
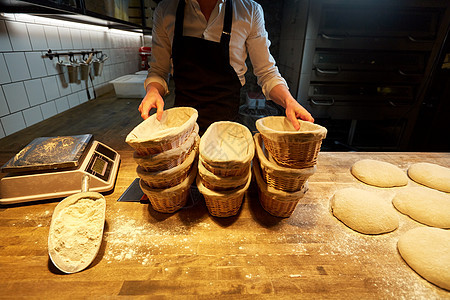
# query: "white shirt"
[248,35]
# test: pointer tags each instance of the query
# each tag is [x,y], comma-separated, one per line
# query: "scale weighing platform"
[53,167]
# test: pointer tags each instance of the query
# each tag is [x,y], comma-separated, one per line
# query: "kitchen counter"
[190,253]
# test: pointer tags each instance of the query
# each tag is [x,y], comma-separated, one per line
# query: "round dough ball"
[424,205]
[364,211]
[431,175]
[426,251]
[379,173]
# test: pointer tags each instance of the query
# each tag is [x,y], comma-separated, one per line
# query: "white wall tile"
[16,97]
[65,38]
[2,132]
[37,36]
[50,85]
[82,95]
[32,115]
[18,35]
[5,44]
[36,64]
[62,104]
[52,36]
[48,109]
[76,38]
[17,66]
[35,91]
[86,39]
[51,65]
[75,87]
[4,74]
[4,110]
[73,100]
[13,123]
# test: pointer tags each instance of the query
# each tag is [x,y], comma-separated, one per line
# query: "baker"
[207,42]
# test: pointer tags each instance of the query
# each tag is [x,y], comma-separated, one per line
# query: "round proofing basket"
[153,136]
[170,158]
[170,177]
[279,177]
[171,199]
[220,183]
[227,145]
[290,147]
[225,172]
[223,203]
[275,202]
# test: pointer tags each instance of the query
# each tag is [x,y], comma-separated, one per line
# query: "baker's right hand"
[151,100]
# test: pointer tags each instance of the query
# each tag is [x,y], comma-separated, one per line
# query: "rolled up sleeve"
[160,63]
[264,66]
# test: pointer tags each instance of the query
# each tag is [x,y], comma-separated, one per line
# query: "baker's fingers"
[290,114]
[159,109]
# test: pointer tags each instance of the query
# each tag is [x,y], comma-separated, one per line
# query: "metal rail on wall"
[50,54]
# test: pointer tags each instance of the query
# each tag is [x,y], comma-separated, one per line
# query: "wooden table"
[190,254]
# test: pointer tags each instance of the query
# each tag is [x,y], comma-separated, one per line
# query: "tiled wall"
[32,87]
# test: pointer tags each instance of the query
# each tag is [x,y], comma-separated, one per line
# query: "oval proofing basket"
[153,136]
[171,199]
[277,203]
[170,158]
[279,177]
[290,147]
[220,183]
[223,203]
[227,145]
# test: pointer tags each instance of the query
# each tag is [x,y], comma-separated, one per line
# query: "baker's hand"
[295,111]
[151,100]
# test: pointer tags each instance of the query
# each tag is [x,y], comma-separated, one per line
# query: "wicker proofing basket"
[223,203]
[170,177]
[279,177]
[227,145]
[153,136]
[170,158]
[290,147]
[277,203]
[225,172]
[220,183]
[171,199]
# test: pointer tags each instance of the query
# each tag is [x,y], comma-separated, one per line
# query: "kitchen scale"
[53,167]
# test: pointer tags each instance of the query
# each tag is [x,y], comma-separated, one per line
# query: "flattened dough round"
[364,211]
[432,175]
[426,251]
[424,205]
[379,173]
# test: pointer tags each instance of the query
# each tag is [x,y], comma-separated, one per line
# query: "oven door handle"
[415,40]
[322,102]
[332,37]
[328,72]
[408,74]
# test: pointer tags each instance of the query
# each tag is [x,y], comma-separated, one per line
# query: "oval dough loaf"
[379,173]
[431,175]
[426,251]
[364,211]
[424,205]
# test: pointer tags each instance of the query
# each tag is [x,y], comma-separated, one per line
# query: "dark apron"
[204,78]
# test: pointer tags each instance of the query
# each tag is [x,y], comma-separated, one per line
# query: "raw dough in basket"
[364,211]
[431,175]
[426,251]
[379,173]
[424,205]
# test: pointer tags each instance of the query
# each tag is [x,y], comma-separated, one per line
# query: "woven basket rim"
[273,167]
[272,192]
[170,134]
[313,131]
[169,172]
[152,160]
[212,161]
[221,180]
[222,194]
[179,188]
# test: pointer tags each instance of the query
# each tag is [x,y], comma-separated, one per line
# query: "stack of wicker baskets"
[166,154]
[226,152]
[286,159]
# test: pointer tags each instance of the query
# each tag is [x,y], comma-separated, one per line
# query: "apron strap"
[227,21]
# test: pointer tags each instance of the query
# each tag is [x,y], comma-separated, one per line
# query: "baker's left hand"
[295,111]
